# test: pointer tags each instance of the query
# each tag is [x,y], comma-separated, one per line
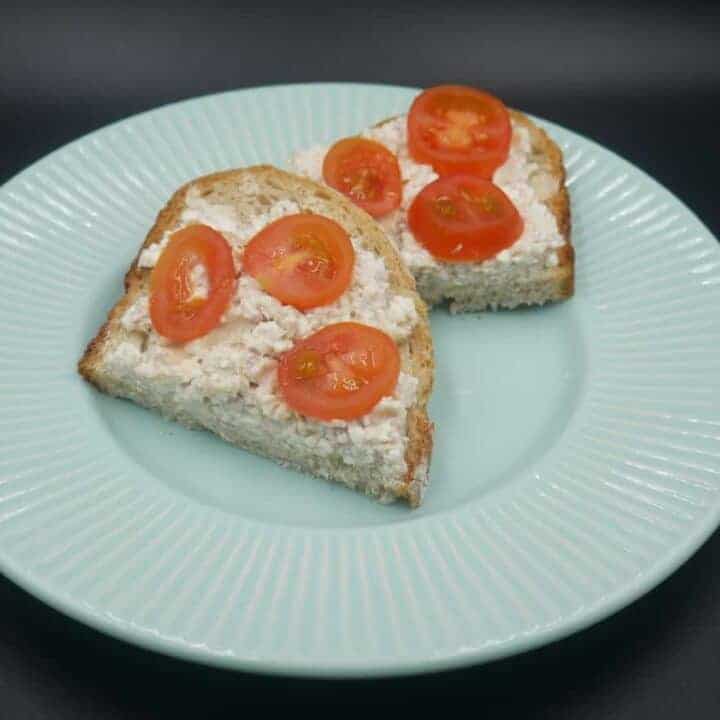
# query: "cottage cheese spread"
[519,177]
[227,379]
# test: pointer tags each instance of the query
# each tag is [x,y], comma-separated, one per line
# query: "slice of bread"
[538,268]
[226,381]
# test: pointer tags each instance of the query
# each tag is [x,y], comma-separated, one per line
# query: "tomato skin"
[340,372]
[174,312]
[303,260]
[463,218]
[459,129]
[365,171]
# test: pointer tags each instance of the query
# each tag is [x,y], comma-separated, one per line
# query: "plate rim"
[605,607]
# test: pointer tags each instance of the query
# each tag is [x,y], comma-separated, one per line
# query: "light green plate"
[577,459]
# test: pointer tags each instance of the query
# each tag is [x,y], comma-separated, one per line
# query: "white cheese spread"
[227,379]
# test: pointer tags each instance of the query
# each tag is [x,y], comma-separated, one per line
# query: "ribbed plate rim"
[603,607]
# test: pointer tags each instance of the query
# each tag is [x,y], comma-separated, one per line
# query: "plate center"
[506,385]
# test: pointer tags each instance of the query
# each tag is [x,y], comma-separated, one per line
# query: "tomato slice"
[367,172]
[176,310]
[303,260]
[459,129]
[463,218]
[340,372]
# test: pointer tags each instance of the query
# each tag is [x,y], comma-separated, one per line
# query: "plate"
[577,457]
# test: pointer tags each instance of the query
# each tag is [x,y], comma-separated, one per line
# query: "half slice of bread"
[537,268]
[226,380]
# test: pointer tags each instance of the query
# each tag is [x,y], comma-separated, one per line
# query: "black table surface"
[642,80]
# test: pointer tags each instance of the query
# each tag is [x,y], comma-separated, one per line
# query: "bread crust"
[549,155]
[418,359]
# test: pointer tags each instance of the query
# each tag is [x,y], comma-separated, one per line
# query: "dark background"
[642,80]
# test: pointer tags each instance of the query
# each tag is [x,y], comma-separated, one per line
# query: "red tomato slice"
[339,373]
[367,172]
[458,129]
[303,260]
[462,218]
[176,313]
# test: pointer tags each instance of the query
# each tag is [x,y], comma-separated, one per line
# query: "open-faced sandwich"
[471,193]
[270,310]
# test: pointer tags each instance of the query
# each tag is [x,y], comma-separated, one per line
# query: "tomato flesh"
[367,172]
[303,260]
[177,311]
[340,372]
[463,218]
[459,129]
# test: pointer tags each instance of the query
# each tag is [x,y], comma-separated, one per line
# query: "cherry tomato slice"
[176,310]
[340,372]
[462,218]
[459,129]
[367,172]
[303,260]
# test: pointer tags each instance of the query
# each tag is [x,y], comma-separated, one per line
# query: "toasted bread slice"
[226,381]
[538,268]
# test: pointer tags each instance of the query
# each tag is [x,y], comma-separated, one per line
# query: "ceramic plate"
[577,458]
